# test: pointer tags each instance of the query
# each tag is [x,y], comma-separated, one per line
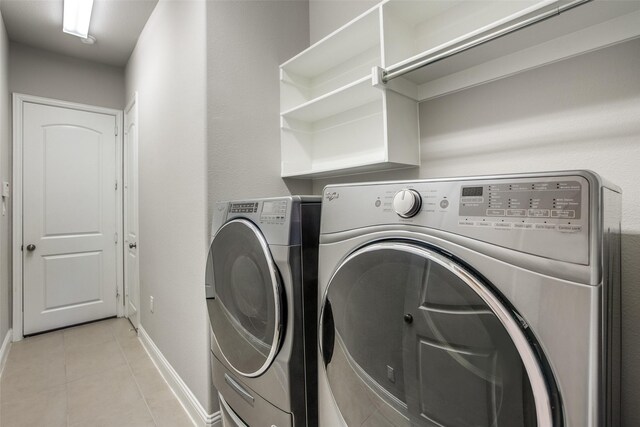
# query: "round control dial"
[407,203]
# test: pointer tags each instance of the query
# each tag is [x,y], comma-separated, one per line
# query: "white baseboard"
[4,350]
[196,411]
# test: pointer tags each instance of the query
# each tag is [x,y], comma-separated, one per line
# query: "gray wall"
[5,175]
[581,113]
[41,73]
[167,69]
[246,42]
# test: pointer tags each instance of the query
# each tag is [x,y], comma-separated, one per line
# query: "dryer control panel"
[545,215]
[278,218]
[272,216]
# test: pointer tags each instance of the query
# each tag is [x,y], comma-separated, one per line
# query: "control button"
[539,213]
[569,228]
[407,203]
[547,227]
[473,200]
[444,204]
[563,214]
[517,212]
[466,223]
[378,203]
[484,224]
[502,225]
[495,212]
[523,225]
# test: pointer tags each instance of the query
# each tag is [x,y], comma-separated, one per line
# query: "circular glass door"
[243,297]
[411,338]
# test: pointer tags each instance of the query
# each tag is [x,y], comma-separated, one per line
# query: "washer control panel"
[537,214]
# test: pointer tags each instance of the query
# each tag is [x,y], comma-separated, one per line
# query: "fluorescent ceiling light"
[77,14]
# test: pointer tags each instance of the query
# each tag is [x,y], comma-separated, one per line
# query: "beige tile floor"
[91,375]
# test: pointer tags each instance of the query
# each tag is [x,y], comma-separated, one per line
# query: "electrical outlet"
[151,304]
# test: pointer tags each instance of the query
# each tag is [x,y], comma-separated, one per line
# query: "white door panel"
[69,202]
[77,183]
[132,285]
[64,290]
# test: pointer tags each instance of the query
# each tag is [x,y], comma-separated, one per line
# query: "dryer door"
[244,297]
[411,338]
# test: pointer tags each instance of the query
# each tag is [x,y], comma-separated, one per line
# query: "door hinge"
[116,130]
[116,185]
[117,293]
[115,238]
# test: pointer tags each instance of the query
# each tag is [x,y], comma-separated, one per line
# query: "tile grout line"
[66,378]
[126,359]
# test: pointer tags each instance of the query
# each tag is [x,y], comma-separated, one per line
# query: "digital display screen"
[270,208]
[472,192]
[274,211]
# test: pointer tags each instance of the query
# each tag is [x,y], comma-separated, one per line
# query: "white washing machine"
[261,290]
[482,301]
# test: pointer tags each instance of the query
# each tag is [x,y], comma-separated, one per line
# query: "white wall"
[581,113]
[5,175]
[246,42]
[38,72]
[167,69]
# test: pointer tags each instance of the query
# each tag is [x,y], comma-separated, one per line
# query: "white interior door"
[69,217]
[131,268]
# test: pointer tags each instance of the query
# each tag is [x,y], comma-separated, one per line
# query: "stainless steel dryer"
[261,290]
[483,301]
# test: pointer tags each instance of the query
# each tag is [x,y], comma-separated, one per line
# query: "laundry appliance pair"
[481,301]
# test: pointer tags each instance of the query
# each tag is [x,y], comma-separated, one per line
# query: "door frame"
[19,100]
[133,103]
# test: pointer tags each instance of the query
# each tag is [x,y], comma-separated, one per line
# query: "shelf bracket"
[377,77]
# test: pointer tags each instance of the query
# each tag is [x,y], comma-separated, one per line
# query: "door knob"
[31,247]
[133,245]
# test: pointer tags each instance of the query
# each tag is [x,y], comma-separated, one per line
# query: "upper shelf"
[356,94]
[345,56]
[357,36]
[586,27]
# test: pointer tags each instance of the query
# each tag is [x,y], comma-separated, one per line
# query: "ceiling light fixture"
[89,40]
[77,14]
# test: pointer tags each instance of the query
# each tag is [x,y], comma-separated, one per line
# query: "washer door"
[244,297]
[411,338]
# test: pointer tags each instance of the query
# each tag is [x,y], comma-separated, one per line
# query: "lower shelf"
[348,170]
